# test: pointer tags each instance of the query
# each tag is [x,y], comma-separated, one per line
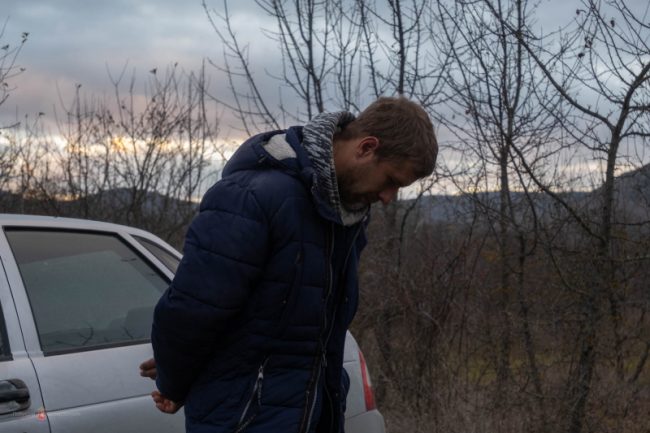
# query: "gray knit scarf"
[318,137]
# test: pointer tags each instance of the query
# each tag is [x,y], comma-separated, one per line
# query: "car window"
[167,258]
[5,353]
[86,290]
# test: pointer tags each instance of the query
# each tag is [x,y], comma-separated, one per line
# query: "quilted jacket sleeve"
[225,250]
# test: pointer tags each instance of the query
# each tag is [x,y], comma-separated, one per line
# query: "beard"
[349,189]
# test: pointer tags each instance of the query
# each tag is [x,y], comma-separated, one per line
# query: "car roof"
[24,220]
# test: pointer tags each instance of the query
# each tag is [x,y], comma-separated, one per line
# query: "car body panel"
[32,419]
[131,415]
[356,400]
[370,421]
[91,377]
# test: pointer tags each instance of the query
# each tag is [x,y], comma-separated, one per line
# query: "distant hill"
[631,206]
[632,194]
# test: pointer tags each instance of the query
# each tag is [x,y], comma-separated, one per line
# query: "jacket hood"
[284,150]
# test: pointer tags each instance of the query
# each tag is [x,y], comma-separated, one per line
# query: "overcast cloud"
[75,42]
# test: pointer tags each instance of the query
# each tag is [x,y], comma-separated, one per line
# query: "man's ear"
[367,146]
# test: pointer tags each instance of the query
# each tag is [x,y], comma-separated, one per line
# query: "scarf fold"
[318,138]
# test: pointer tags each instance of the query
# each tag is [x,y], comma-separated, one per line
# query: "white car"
[77,300]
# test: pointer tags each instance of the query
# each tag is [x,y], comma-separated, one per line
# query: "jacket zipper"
[330,329]
[313,390]
[257,392]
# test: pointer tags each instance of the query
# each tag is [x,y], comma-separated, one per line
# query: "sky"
[75,42]
[78,42]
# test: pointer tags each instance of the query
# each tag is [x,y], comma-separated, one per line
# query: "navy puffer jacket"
[250,334]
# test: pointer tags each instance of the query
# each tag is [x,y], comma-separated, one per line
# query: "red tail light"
[367,385]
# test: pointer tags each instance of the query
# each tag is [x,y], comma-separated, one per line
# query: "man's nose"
[388,195]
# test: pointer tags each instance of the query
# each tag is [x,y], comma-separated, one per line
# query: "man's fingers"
[169,406]
[157,397]
[149,363]
[148,369]
[151,374]
[164,404]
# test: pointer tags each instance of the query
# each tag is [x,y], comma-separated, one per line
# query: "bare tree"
[138,159]
[318,62]
[408,62]
[8,68]
[497,103]
[8,151]
[600,68]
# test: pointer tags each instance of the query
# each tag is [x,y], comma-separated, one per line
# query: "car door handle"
[13,391]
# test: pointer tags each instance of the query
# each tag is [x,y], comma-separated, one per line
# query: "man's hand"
[148,369]
[164,404]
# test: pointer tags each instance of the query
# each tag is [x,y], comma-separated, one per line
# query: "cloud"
[73,41]
[77,42]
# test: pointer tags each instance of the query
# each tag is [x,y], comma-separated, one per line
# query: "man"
[250,334]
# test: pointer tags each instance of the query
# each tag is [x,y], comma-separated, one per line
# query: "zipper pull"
[260,374]
[260,378]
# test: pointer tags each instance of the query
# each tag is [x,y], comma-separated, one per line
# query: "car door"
[20,397]
[85,301]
